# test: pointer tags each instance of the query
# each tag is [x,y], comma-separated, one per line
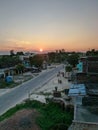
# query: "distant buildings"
[25,59]
[7,71]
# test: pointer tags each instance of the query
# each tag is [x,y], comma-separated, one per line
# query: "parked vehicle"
[35,70]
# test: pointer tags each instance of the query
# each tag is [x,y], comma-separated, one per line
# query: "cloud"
[14,44]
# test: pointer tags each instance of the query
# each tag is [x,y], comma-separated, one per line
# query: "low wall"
[76,125]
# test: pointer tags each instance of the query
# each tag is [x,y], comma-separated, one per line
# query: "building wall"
[84,62]
[81,78]
[93,66]
[84,126]
[90,64]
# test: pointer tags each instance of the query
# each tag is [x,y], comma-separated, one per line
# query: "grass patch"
[51,114]
[27,104]
[4,84]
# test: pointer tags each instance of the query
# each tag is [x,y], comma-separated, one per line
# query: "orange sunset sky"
[27,25]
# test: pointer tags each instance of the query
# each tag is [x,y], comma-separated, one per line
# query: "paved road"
[18,94]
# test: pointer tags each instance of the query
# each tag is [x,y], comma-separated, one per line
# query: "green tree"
[36,60]
[73,59]
[20,68]
[9,61]
[52,56]
[57,57]
[68,68]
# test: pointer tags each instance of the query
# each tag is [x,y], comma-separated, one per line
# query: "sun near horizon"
[41,50]
[42,25]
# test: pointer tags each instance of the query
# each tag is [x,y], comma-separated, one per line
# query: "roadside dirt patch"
[21,120]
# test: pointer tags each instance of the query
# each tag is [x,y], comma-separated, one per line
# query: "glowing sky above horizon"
[27,25]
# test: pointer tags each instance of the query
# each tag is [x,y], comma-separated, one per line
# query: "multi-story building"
[85,104]
[89,64]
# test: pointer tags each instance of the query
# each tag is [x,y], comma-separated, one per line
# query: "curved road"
[20,93]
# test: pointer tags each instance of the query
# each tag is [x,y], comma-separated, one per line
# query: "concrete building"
[25,59]
[7,72]
[89,68]
[85,104]
[89,64]
[85,107]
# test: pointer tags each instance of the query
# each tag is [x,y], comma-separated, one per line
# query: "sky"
[28,25]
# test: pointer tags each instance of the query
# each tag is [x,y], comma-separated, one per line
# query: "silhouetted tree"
[52,56]
[92,52]
[20,53]
[12,52]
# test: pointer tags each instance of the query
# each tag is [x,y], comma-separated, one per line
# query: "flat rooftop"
[77,90]
[83,114]
[92,89]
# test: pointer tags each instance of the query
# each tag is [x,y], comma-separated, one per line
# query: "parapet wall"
[76,125]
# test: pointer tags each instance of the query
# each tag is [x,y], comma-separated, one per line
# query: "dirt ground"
[21,120]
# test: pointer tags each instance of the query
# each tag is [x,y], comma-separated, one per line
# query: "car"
[35,70]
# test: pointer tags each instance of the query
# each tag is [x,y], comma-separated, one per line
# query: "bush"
[60,126]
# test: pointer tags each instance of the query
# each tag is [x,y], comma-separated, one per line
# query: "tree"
[20,68]
[9,61]
[57,57]
[93,52]
[60,126]
[20,53]
[12,52]
[36,60]
[68,69]
[73,59]
[52,56]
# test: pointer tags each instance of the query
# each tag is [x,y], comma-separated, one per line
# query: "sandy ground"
[21,120]
[47,89]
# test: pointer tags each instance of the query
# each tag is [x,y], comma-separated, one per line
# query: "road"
[20,93]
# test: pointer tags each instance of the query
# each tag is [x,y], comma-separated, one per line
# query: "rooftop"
[92,89]
[77,89]
[85,114]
